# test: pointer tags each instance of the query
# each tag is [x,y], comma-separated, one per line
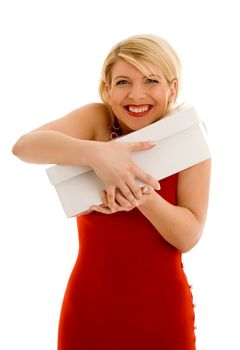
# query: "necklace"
[116,130]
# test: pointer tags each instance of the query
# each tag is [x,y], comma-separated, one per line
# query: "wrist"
[147,199]
[88,152]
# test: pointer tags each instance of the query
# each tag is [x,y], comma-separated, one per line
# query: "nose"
[137,92]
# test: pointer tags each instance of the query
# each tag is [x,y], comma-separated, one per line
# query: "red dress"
[128,290]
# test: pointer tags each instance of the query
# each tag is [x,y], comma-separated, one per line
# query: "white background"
[51,57]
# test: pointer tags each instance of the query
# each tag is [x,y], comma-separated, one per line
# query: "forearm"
[51,147]
[177,225]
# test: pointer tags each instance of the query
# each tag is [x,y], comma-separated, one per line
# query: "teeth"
[138,109]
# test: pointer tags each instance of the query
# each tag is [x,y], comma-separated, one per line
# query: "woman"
[127,289]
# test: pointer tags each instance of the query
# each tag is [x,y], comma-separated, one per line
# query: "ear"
[172,90]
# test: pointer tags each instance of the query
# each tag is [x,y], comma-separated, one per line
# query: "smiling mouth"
[138,110]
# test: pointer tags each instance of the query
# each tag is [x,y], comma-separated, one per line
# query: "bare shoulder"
[193,188]
[89,122]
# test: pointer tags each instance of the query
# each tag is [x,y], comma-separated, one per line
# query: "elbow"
[186,244]
[192,237]
[16,149]
[190,243]
[186,248]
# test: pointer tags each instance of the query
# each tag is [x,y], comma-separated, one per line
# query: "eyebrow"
[154,76]
[144,77]
[121,77]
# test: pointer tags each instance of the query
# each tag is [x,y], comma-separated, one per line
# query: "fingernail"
[144,190]
[157,187]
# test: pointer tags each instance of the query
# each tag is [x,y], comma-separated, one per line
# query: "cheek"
[167,96]
[110,93]
[161,97]
[110,99]
[115,97]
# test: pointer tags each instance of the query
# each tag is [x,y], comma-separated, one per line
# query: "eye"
[122,82]
[152,81]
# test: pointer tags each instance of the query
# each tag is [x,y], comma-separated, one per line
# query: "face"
[138,100]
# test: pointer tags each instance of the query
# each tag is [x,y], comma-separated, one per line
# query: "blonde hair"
[137,49]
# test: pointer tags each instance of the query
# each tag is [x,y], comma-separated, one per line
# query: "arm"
[63,141]
[182,225]
[76,139]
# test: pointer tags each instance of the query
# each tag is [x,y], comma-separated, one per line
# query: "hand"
[122,203]
[113,164]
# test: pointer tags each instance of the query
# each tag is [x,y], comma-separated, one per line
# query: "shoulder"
[94,118]
[94,107]
[89,122]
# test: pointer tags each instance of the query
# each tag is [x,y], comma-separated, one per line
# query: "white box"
[181,138]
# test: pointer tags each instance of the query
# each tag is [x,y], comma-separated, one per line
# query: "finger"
[101,209]
[147,189]
[104,204]
[110,193]
[131,189]
[127,193]
[103,196]
[135,188]
[123,202]
[146,178]
[141,145]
